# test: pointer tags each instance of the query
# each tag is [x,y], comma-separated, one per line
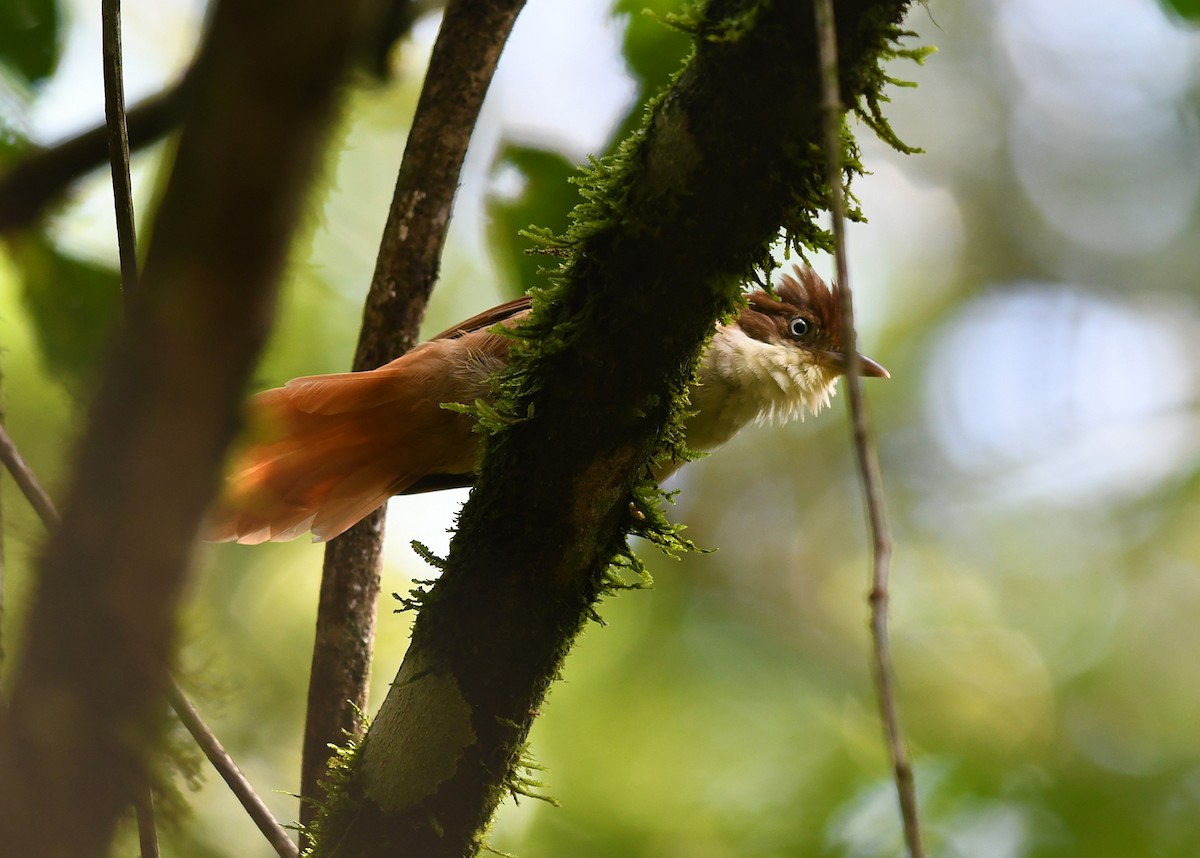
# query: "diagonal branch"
[27,481]
[864,442]
[188,715]
[667,231]
[464,58]
[38,179]
[229,771]
[94,662]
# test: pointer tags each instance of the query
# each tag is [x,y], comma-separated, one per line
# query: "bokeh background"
[1030,282]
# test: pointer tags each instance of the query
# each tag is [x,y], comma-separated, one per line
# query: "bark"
[464,58]
[89,683]
[656,254]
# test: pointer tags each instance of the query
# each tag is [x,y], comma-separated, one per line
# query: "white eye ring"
[799,326]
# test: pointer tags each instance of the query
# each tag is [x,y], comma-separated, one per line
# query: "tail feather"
[325,451]
[325,475]
[345,391]
[352,499]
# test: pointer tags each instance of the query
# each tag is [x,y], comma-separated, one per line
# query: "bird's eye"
[799,326]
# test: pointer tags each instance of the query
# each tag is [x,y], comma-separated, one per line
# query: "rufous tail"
[322,452]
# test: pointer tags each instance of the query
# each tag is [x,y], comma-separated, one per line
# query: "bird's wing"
[500,313]
[338,393]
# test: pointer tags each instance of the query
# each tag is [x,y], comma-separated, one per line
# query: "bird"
[324,451]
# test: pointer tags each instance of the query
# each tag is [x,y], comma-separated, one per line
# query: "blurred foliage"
[1030,283]
[1187,9]
[653,50]
[72,304]
[543,195]
[544,199]
[29,37]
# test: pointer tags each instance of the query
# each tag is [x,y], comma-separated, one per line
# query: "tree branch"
[118,159]
[147,828]
[34,182]
[27,481]
[656,254]
[230,773]
[118,145]
[460,70]
[94,662]
[864,442]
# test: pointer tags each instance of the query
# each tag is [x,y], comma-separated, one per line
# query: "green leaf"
[544,201]
[29,37]
[654,51]
[74,306]
[1189,10]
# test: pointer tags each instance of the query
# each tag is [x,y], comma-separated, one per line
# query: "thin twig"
[204,736]
[118,159]
[228,769]
[147,831]
[118,144]
[868,460]
[27,481]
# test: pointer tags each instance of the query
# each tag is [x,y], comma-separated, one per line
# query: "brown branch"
[188,715]
[94,662]
[27,480]
[655,256]
[229,771]
[118,158]
[118,144]
[36,181]
[864,442]
[30,487]
[147,829]
[464,59]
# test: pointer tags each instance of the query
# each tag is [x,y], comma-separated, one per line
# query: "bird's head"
[780,359]
[805,314]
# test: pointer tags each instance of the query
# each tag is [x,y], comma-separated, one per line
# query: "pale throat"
[744,380]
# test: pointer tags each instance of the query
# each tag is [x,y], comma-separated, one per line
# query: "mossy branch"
[666,231]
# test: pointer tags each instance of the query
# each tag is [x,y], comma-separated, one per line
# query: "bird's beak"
[866,367]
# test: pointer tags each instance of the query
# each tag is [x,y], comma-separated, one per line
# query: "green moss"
[343,797]
[874,81]
[606,225]
[605,186]
[524,779]
[421,594]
